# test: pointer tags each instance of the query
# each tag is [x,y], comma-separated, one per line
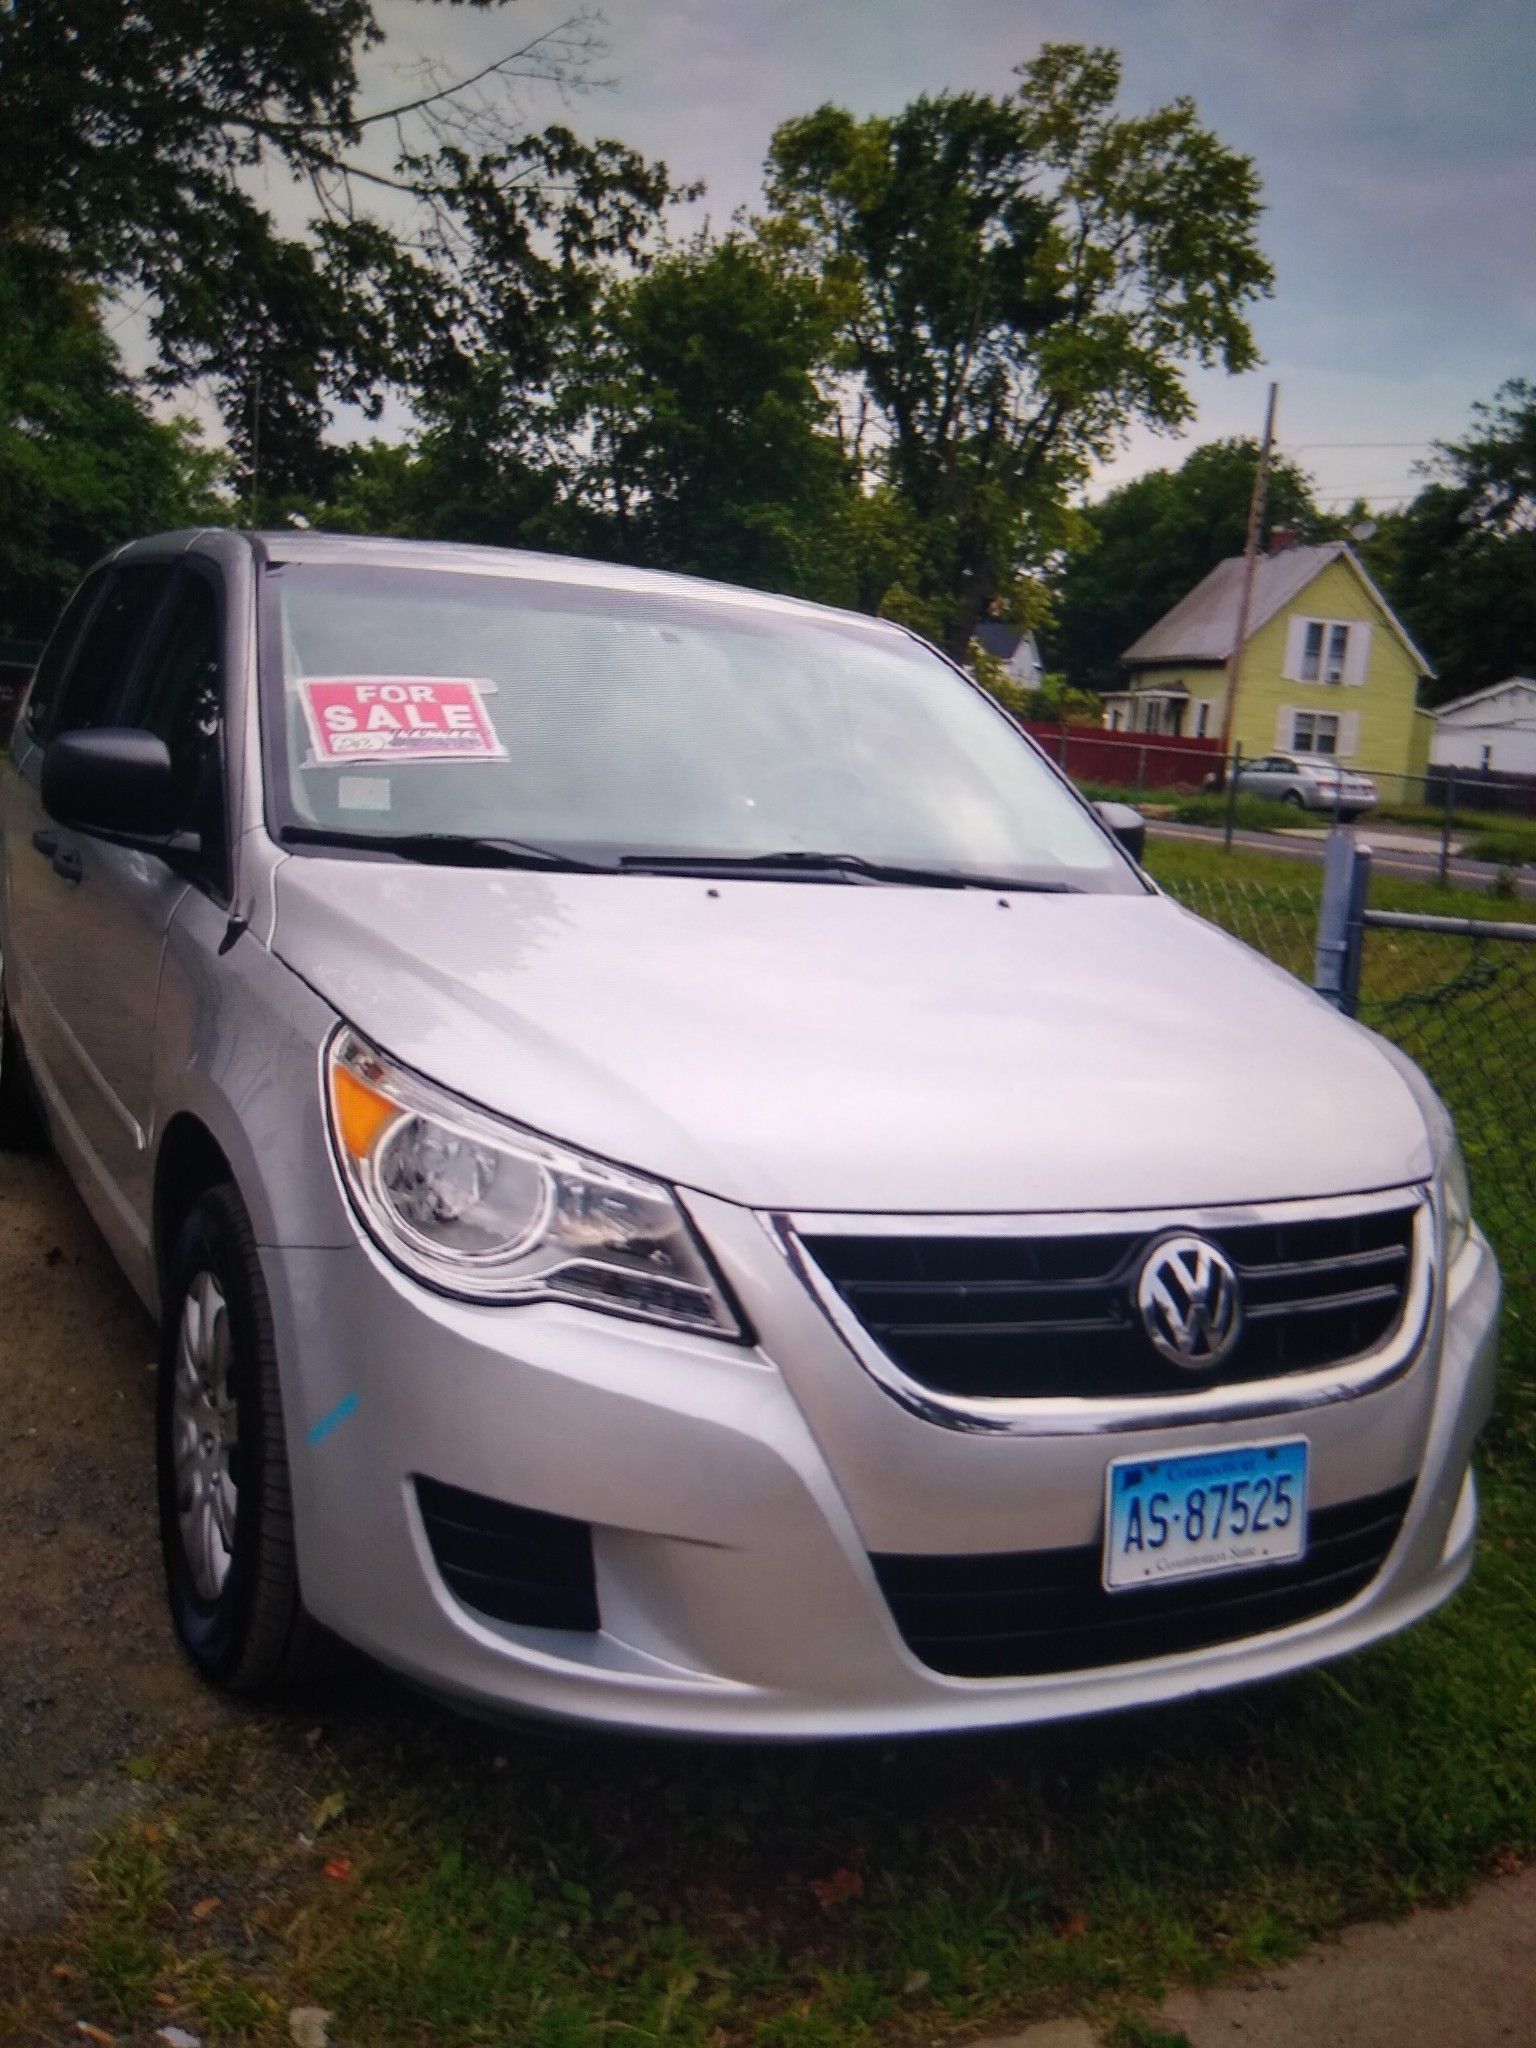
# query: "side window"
[94,692]
[55,656]
[176,695]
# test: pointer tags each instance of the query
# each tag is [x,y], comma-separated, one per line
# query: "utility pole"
[1250,569]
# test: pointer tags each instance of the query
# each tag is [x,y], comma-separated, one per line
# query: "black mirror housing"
[1128,826]
[115,779]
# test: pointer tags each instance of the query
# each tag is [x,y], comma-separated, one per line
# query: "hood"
[832,1046]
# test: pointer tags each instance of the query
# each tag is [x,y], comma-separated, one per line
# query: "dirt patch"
[89,1672]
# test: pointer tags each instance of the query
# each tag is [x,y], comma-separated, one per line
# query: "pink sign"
[399,718]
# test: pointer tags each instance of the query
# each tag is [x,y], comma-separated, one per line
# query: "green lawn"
[474,1886]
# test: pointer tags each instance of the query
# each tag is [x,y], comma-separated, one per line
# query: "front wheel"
[226,1515]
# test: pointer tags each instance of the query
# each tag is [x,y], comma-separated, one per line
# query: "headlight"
[489,1212]
[1456,1197]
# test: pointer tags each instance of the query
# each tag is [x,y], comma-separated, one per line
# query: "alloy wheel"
[205,1436]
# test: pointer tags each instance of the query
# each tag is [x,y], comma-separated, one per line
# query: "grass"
[428,1881]
[1505,845]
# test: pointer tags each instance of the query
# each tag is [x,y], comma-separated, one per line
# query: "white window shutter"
[1285,727]
[1358,659]
[1295,646]
[1349,735]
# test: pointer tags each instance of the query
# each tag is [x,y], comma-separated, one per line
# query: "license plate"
[1207,1511]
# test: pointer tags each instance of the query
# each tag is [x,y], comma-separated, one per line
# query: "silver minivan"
[688,1181]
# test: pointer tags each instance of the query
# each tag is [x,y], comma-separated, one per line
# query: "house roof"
[1459,704]
[1203,625]
[999,638]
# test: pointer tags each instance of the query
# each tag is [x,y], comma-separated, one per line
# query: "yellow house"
[1327,668]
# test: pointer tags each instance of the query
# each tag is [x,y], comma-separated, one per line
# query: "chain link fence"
[1459,996]
[1463,1004]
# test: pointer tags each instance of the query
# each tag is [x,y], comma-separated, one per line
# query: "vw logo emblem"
[1188,1297]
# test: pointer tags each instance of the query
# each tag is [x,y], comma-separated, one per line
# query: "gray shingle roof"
[998,637]
[1203,625]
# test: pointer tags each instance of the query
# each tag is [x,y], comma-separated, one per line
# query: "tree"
[707,433]
[1019,277]
[1459,562]
[1148,542]
[138,139]
[83,464]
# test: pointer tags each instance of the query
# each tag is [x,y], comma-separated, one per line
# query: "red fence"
[1132,760]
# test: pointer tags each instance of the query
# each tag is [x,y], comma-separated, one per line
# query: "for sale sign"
[399,718]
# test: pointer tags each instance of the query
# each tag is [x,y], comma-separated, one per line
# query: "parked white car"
[1308,782]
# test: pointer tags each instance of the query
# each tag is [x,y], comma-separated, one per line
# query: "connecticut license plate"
[1209,1511]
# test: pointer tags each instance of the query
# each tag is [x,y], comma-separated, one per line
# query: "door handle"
[66,865]
[46,843]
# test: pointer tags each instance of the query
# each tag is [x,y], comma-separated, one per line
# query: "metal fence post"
[1340,921]
[1232,768]
[1446,823]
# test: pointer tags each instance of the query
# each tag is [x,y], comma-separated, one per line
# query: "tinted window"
[176,695]
[55,657]
[99,674]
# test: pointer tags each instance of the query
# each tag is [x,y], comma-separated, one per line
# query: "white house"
[1492,731]
[1019,652]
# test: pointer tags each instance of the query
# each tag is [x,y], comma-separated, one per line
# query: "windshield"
[611,726]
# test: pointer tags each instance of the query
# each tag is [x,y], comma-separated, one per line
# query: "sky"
[1395,139]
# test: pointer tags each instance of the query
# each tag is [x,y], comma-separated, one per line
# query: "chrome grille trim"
[1064,1416]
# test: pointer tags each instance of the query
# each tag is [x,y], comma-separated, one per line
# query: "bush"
[1512,845]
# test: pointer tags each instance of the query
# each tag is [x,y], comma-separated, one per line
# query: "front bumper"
[736,1496]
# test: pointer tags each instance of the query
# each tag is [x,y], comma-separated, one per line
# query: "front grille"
[1034,1612]
[511,1563]
[1039,1317]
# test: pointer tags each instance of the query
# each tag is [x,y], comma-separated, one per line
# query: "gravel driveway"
[89,1673]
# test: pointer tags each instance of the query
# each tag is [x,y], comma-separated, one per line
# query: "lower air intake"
[1027,1613]
[510,1563]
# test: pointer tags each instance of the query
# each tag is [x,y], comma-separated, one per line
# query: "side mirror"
[112,780]
[1128,826]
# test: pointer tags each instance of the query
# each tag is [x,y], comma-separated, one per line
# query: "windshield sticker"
[398,718]
[362,793]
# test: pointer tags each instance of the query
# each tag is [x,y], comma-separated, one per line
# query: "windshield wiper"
[798,860]
[444,849]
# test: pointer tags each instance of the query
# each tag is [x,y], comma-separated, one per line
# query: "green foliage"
[1147,543]
[1018,277]
[709,450]
[129,130]
[1055,702]
[1512,845]
[141,137]
[1459,563]
[83,464]
[445,485]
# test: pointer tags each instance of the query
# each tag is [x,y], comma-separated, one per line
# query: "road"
[1478,875]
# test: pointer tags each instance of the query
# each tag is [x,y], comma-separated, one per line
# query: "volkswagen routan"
[688,1181]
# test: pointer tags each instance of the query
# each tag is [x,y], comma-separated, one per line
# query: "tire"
[21,1124]
[1295,799]
[226,1514]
